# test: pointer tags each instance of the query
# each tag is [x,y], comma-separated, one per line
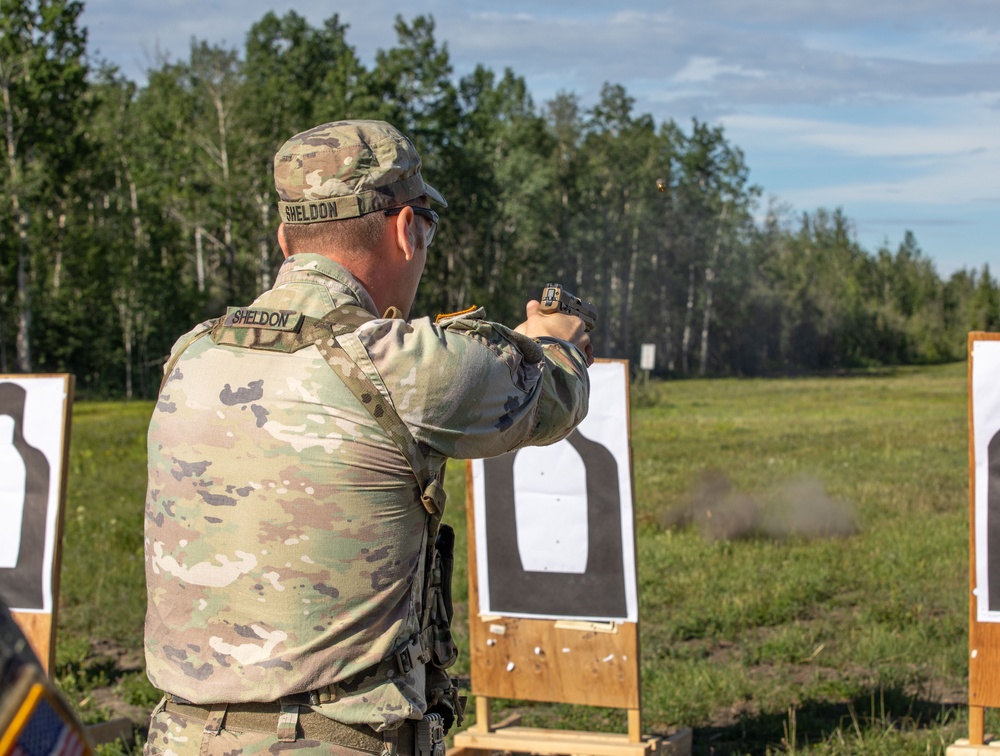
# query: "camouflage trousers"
[180,730]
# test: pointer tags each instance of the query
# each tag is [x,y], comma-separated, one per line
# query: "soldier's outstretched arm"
[468,387]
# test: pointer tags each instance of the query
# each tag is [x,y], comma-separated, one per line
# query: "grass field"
[803,564]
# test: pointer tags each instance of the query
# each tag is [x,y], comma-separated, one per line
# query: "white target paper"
[986,426]
[32,412]
[552,497]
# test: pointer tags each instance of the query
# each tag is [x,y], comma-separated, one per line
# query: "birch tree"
[42,82]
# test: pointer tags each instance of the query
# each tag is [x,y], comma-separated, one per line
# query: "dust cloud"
[796,508]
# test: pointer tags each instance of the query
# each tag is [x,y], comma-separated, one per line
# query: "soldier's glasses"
[423,212]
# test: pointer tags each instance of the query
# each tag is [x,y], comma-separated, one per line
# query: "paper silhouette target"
[993,525]
[986,452]
[555,536]
[33,428]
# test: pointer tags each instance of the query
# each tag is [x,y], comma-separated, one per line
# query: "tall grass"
[764,639]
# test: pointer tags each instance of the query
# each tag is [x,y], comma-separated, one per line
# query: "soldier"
[296,454]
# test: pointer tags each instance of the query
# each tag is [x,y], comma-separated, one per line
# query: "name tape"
[271,320]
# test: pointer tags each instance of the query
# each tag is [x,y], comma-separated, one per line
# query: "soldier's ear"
[282,242]
[404,233]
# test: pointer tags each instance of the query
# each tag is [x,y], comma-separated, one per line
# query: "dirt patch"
[110,699]
[124,659]
[117,666]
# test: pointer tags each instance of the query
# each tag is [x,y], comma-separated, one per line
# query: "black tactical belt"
[263,718]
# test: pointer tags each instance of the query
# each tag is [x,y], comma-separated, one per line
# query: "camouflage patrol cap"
[346,169]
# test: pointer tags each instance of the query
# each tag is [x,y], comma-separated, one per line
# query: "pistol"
[556,299]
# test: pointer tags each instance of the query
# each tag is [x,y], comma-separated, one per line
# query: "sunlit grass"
[854,644]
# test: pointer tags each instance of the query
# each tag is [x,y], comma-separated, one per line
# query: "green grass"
[762,643]
[102,596]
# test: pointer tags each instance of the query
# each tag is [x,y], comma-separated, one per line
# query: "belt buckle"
[404,660]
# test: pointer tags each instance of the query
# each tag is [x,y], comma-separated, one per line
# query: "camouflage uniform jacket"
[283,529]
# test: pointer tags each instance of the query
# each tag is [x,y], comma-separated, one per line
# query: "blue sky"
[888,109]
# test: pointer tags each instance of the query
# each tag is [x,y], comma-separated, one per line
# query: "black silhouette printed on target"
[993,521]
[597,592]
[21,586]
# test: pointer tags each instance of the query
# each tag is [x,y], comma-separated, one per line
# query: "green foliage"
[130,213]
[42,113]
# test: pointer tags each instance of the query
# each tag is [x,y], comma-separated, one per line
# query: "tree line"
[130,212]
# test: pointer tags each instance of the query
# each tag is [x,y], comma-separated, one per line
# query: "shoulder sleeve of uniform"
[192,334]
[469,387]
[170,369]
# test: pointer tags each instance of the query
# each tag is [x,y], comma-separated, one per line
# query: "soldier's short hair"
[350,234]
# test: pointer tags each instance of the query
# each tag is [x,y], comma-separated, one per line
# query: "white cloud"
[873,139]
[941,188]
[492,17]
[702,69]
[931,46]
[901,14]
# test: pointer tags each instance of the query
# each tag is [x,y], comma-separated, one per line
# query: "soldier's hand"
[556,325]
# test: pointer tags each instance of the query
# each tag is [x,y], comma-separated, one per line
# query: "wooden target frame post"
[984,637]
[39,623]
[556,661]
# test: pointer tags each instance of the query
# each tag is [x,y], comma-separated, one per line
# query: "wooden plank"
[108,732]
[533,660]
[572,736]
[984,637]
[977,725]
[67,424]
[541,741]
[963,747]
[634,725]
[38,629]
[537,741]
[483,720]
[483,717]
[635,712]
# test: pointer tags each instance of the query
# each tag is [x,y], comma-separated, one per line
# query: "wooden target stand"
[574,662]
[984,637]
[588,663]
[39,627]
